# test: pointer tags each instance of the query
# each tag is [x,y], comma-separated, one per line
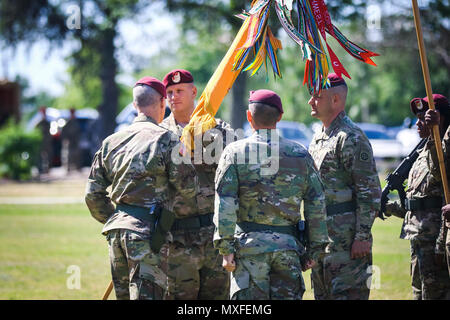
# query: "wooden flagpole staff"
[108,291]
[426,77]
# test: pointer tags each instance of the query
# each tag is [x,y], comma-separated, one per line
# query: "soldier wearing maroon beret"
[423,222]
[131,173]
[194,270]
[344,157]
[261,182]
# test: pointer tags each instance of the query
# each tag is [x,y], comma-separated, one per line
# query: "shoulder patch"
[364,156]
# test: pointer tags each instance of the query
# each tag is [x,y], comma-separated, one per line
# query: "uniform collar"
[335,124]
[267,133]
[143,118]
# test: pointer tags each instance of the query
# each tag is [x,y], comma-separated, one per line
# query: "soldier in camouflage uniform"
[70,137]
[46,148]
[261,182]
[423,223]
[446,215]
[344,158]
[194,267]
[136,163]
[432,117]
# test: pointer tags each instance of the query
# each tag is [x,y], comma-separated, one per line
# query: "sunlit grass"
[38,243]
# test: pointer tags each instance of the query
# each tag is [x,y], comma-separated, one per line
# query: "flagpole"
[426,77]
[107,291]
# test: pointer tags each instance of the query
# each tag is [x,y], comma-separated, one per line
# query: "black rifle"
[397,177]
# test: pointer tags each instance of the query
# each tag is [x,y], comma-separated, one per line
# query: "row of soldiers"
[236,229]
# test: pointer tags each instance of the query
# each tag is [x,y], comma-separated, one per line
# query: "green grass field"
[39,243]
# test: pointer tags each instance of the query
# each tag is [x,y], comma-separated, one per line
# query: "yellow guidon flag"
[222,80]
[254,35]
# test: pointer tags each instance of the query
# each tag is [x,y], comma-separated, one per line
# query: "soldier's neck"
[182,119]
[329,120]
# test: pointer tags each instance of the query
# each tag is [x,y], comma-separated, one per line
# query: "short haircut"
[341,90]
[145,96]
[263,114]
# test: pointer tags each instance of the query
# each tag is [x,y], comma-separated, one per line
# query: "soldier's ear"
[279,117]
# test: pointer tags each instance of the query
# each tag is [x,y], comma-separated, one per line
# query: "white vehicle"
[383,146]
[409,138]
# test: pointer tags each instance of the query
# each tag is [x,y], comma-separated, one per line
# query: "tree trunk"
[110,92]
[239,104]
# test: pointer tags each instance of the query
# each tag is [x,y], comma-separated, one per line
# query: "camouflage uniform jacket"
[434,163]
[344,158]
[203,202]
[136,163]
[245,193]
[422,182]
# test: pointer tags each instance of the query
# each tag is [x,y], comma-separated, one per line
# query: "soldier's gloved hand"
[432,118]
[360,249]
[308,265]
[446,212]
[394,209]
[228,262]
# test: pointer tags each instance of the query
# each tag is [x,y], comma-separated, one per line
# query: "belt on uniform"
[140,213]
[340,208]
[196,222]
[423,203]
[245,226]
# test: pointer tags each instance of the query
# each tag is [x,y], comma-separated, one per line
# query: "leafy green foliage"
[18,151]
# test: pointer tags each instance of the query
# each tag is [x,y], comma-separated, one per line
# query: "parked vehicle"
[291,130]
[383,145]
[127,115]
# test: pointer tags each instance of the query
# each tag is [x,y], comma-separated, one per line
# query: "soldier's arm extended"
[315,213]
[97,199]
[226,204]
[357,158]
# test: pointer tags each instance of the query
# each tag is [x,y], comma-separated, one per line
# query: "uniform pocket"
[240,280]
[150,269]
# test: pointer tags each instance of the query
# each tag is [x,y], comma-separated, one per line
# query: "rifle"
[396,178]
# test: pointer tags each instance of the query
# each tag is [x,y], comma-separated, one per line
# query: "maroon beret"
[267,97]
[421,104]
[153,83]
[335,80]
[177,76]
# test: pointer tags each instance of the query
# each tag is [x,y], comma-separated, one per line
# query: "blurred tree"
[94,64]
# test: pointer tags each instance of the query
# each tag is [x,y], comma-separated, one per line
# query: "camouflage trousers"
[447,250]
[338,277]
[137,273]
[268,276]
[429,280]
[195,269]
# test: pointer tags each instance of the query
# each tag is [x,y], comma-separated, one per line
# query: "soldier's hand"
[432,118]
[308,265]
[228,262]
[446,212]
[360,249]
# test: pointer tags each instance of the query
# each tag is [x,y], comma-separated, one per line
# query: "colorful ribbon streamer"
[255,36]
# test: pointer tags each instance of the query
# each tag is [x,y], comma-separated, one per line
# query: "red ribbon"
[323,20]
